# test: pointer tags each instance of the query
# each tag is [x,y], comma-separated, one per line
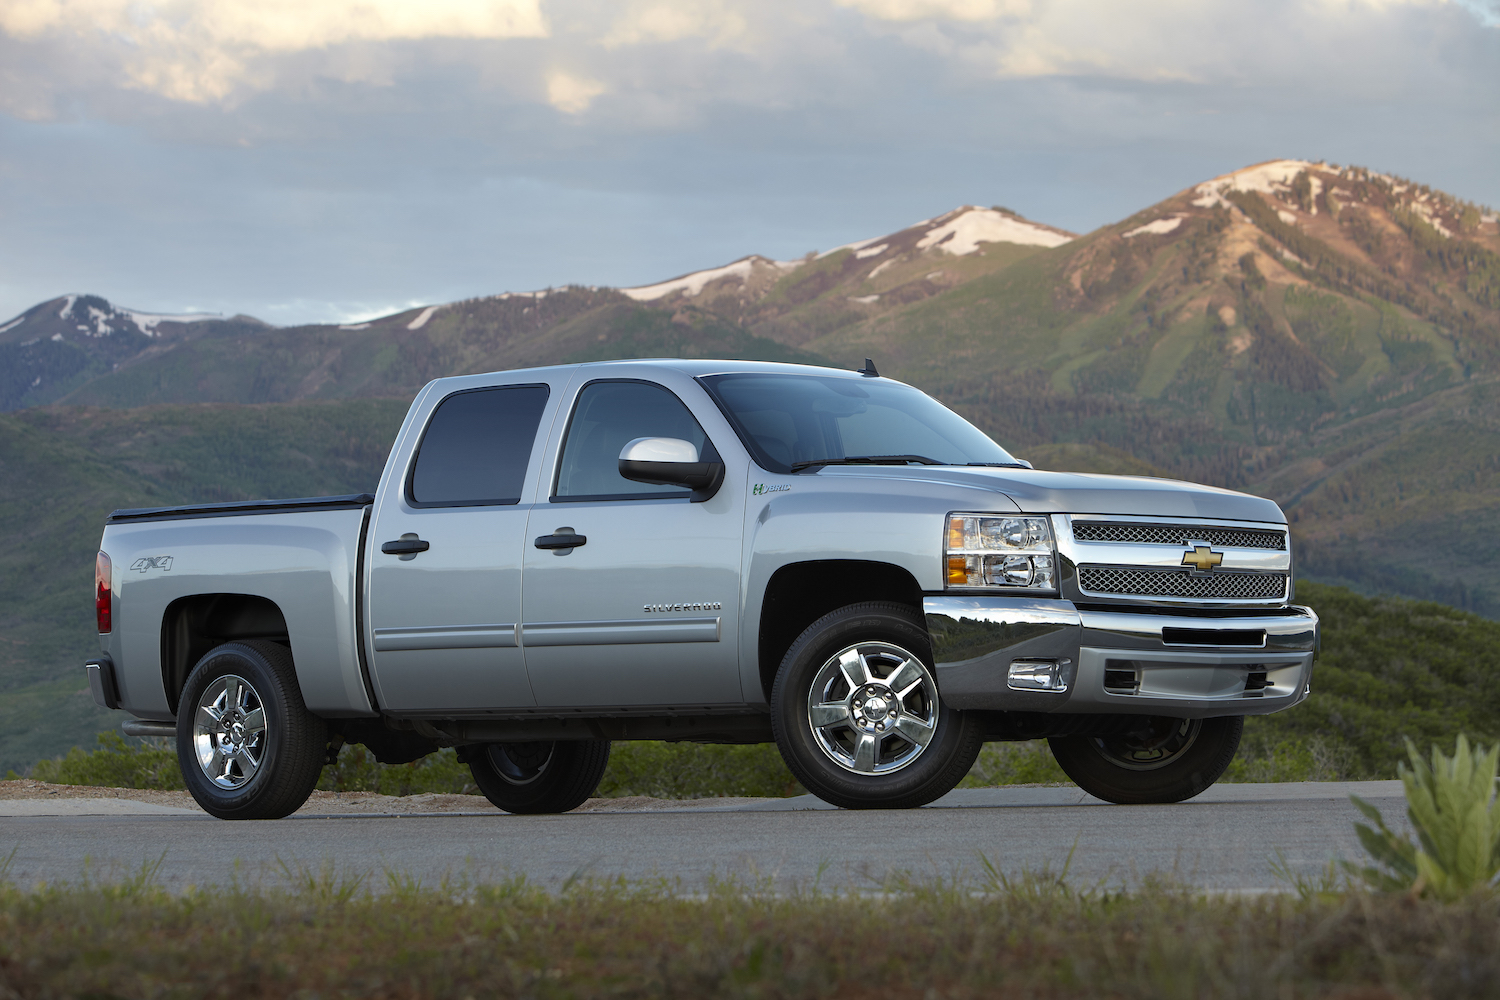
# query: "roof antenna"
[868,371]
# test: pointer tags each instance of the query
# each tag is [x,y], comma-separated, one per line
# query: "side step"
[142,727]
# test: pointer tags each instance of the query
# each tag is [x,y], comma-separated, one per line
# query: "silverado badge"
[1202,558]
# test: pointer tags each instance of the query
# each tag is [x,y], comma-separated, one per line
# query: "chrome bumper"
[1127,663]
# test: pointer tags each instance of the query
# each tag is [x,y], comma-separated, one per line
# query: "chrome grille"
[1178,534]
[1180,583]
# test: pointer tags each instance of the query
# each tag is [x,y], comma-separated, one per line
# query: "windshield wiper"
[1000,465]
[869,460]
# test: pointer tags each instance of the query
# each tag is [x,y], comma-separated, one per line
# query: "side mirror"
[672,462]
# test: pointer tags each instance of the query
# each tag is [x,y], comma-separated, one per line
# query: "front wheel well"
[194,625]
[801,593]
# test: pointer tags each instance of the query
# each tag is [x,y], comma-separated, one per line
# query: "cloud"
[664,62]
[571,94]
[659,21]
[948,10]
[202,50]
[1159,40]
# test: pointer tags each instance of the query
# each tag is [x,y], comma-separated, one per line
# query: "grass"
[332,934]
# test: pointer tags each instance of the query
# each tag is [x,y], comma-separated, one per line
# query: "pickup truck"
[709,551]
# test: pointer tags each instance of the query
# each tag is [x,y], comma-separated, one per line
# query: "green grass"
[329,933]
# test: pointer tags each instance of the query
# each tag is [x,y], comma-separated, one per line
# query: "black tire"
[835,761]
[538,777]
[1168,760]
[288,753]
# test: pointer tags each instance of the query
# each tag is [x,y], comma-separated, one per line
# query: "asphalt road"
[1227,839]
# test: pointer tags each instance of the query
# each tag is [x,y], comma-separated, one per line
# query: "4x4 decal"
[147,563]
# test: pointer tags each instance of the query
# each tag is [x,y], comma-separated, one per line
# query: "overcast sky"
[322,160]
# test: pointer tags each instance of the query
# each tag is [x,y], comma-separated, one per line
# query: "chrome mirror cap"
[659,449]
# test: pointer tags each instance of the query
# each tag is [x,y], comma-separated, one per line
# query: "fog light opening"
[1121,677]
[1039,675]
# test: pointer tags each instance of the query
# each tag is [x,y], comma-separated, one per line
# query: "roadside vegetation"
[327,933]
[1421,921]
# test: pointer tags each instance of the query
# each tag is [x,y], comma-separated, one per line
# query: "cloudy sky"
[318,160]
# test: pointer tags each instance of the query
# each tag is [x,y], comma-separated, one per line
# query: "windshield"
[795,421]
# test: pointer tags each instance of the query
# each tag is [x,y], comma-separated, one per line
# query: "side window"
[607,417]
[476,447]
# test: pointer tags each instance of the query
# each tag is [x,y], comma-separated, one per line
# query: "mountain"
[58,346]
[1325,336]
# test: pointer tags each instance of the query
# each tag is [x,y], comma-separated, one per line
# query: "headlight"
[996,551]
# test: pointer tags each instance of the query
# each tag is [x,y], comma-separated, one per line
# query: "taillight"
[103,597]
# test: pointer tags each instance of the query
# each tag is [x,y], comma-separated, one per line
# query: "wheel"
[1166,760]
[540,777]
[247,745]
[856,713]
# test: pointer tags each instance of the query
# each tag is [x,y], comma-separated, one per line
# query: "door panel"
[592,632]
[443,620]
[645,612]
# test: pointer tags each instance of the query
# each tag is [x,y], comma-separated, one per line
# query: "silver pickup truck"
[709,551]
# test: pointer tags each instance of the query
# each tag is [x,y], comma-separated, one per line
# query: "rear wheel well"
[193,625]
[801,593]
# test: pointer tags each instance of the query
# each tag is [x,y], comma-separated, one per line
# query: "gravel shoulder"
[347,803]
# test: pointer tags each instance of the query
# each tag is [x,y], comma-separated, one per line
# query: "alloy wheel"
[229,732]
[873,708]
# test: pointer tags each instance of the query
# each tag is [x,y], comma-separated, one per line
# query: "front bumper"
[1120,662]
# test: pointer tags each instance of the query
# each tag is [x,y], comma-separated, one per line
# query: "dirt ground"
[325,803]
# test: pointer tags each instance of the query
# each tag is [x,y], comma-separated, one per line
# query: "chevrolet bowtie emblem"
[1202,558]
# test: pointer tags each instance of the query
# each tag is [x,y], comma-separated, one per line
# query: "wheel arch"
[798,594]
[193,625]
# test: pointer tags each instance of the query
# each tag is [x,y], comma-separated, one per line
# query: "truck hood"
[1041,492]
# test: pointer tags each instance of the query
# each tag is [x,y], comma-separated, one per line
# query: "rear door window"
[476,448]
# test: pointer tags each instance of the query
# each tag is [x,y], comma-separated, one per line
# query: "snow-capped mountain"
[959,233]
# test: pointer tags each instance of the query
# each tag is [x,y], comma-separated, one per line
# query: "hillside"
[62,471]
[1324,336]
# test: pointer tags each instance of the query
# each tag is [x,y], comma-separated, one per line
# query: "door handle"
[405,546]
[563,541]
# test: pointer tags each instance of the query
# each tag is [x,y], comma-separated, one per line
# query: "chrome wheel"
[229,732]
[521,763]
[873,708]
[1160,743]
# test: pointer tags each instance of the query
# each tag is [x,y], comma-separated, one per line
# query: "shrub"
[1452,806]
[117,763]
[1028,763]
[694,770]
[357,770]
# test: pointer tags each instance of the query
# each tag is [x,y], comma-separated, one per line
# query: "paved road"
[1225,839]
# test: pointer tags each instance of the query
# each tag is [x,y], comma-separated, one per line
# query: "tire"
[1168,760]
[247,745]
[853,702]
[539,777]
